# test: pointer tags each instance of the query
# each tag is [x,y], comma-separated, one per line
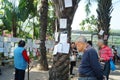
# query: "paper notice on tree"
[1,49]
[68,3]
[101,32]
[56,36]
[63,23]
[61,48]
[66,48]
[1,44]
[63,38]
[105,37]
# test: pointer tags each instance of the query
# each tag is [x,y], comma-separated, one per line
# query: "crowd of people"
[93,65]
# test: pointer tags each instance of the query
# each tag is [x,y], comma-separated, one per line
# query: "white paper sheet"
[15,39]
[105,37]
[1,49]
[68,3]
[7,45]
[1,44]
[1,38]
[6,50]
[56,36]
[61,48]
[37,41]
[8,39]
[55,50]
[63,23]
[63,38]
[6,54]
[31,49]
[29,43]
[101,32]
[34,54]
[66,48]
[11,55]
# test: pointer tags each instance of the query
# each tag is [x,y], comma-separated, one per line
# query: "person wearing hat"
[21,60]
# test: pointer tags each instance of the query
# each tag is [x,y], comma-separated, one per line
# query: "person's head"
[100,43]
[89,43]
[81,43]
[21,43]
[72,44]
[113,46]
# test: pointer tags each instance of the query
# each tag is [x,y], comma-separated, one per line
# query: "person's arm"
[26,57]
[95,64]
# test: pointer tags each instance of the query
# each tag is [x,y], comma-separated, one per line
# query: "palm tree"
[43,29]
[88,5]
[104,11]
[60,67]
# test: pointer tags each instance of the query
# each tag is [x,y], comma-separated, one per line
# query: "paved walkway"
[35,74]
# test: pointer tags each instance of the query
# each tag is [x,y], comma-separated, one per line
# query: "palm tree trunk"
[43,29]
[14,25]
[60,67]
[104,17]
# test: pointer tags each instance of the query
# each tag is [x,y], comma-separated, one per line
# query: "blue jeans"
[87,78]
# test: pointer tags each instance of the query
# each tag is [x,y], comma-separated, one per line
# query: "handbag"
[112,65]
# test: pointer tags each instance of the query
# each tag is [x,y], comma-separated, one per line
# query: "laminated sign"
[63,23]
[101,32]
[63,38]
[68,3]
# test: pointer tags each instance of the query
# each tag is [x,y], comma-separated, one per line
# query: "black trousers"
[72,64]
[19,74]
[106,70]
[0,72]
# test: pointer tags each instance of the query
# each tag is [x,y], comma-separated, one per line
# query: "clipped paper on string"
[1,38]
[6,54]
[1,49]
[101,32]
[63,38]
[68,3]
[63,23]
[1,44]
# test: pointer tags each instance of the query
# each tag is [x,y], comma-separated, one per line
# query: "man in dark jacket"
[90,68]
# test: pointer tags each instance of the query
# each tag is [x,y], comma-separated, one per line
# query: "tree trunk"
[14,25]
[104,16]
[60,67]
[43,29]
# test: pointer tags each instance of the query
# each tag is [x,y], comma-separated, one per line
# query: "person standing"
[73,57]
[114,50]
[21,60]
[90,68]
[105,56]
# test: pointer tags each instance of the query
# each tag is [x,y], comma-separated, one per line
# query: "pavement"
[36,74]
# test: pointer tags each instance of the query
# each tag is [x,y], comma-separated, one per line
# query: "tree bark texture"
[43,29]
[60,67]
[104,17]
[14,24]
